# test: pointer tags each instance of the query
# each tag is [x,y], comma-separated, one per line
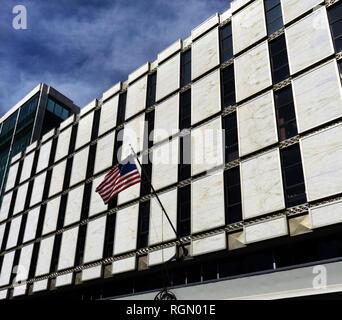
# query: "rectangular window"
[273,16]
[279,59]
[143,224]
[293,176]
[231,137]
[185,158]
[226,43]
[122,108]
[185,110]
[335,19]
[233,195]
[149,120]
[185,68]
[228,87]
[145,187]
[151,89]
[184,209]
[286,117]
[340,68]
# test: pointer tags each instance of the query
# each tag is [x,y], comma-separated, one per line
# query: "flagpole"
[157,197]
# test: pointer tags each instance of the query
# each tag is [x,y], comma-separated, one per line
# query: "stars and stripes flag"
[118,179]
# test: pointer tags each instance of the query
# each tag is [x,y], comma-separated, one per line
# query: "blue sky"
[82,48]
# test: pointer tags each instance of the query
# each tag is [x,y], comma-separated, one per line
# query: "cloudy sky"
[82,48]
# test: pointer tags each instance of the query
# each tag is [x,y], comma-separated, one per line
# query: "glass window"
[286,117]
[231,137]
[340,68]
[335,19]
[186,68]
[273,16]
[279,59]
[143,225]
[233,195]
[50,105]
[185,158]
[228,87]
[151,89]
[226,42]
[122,108]
[185,110]
[184,209]
[293,176]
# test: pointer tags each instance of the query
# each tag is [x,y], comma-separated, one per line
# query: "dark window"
[233,195]
[335,19]
[228,87]
[149,120]
[231,137]
[185,110]
[186,68]
[286,117]
[184,204]
[143,225]
[340,68]
[209,271]
[273,16]
[226,41]
[151,89]
[293,176]
[279,60]
[145,187]
[185,158]
[122,108]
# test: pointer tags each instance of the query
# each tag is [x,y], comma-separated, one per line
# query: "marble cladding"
[13,233]
[205,97]
[31,225]
[64,280]
[6,269]
[173,48]
[136,97]
[113,90]
[249,26]
[51,216]
[252,71]
[205,26]
[85,127]
[257,124]
[6,203]
[44,155]
[161,256]
[40,285]
[237,4]
[63,144]
[309,40]
[124,265]
[24,263]
[38,189]
[19,203]
[79,166]
[325,215]
[68,249]
[91,105]
[139,72]
[74,206]
[57,178]
[108,115]
[209,244]
[104,153]
[96,202]
[12,174]
[44,256]
[67,122]
[91,273]
[2,233]
[27,167]
[261,185]
[292,9]
[317,96]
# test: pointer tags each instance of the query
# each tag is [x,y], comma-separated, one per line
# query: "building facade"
[250,106]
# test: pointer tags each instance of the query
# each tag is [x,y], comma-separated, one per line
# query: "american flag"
[118,179]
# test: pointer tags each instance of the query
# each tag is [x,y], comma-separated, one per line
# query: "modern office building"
[253,98]
[37,113]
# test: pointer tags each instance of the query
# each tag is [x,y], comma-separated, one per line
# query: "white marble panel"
[67,122]
[126,229]
[168,77]
[257,124]
[326,214]
[237,4]
[44,155]
[93,249]
[48,135]
[5,206]
[225,15]
[209,244]
[14,233]
[108,115]
[205,97]
[2,232]
[173,48]
[322,157]
[57,178]
[79,166]
[19,290]
[74,206]
[31,225]
[96,203]
[64,280]
[204,26]
[68,249]
[165,164]
[27,167]
[51,216]
[261,185]
[20,199]
[3,294]
[207,203]
[62,148]
[31,147]
[91,273]
[161,256]
[85,127]
[113,90]
[309,40]
[266,230]
[160,228]
[166,121]
[44,256]
[136,97]
[124,265]
[104,153]
[249,26]
[206,146]
[317,96]
[12,175]
[139,72]
[91,105]
[292,9]
[24,263]
[40,285]
[38,189]
[6,269]
[205,53]
[252,71]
